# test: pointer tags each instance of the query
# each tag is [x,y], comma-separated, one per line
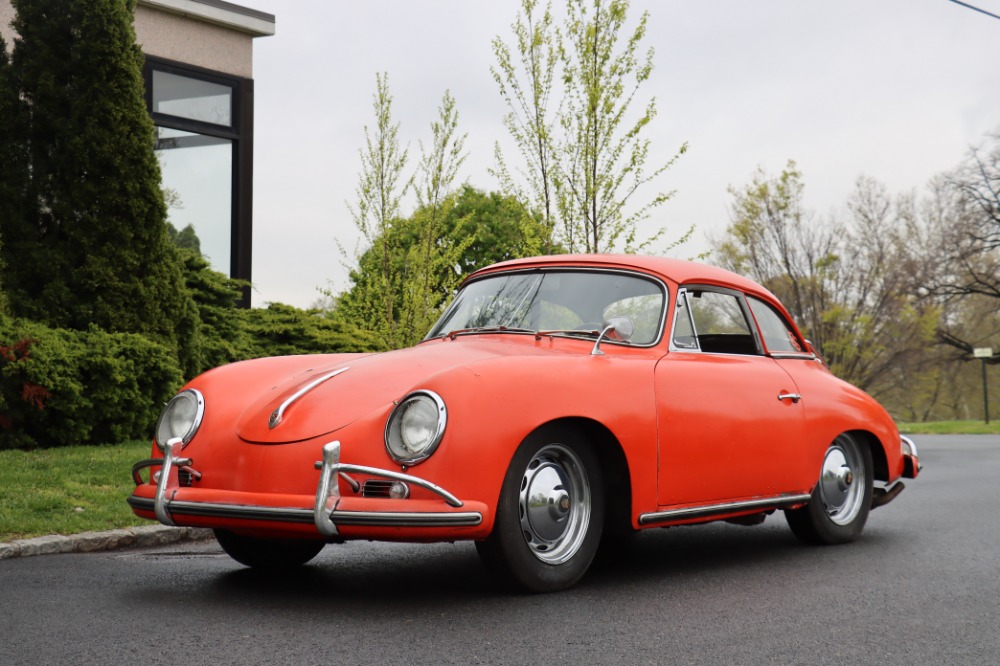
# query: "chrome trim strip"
[305,516]
[720,509]
[395,476]
[279,413]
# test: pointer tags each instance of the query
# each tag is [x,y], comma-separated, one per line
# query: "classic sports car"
[559,402]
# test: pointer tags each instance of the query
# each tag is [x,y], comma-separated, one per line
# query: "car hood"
[331,395]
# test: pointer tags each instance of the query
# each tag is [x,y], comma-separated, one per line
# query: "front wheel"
[550,515]
[840,502]
[270,554]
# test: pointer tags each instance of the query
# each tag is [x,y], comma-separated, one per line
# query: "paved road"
[921,587]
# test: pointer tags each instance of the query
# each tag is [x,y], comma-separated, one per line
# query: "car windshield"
[556,300]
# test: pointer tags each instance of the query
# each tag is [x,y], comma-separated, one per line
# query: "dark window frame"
[241,135]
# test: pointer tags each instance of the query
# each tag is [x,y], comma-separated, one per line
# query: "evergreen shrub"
[99,388]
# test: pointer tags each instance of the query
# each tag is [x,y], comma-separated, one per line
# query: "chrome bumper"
[324,514]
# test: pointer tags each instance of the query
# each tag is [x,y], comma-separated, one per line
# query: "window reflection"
[197,173]
[185,97]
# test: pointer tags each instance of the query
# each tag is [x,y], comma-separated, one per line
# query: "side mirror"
[615,328]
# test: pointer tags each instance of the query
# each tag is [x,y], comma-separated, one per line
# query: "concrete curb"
[89,542]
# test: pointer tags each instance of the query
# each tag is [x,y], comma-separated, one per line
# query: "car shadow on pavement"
[364,576]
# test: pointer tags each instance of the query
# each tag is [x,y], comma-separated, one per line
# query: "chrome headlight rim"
[395,447]
[195,423]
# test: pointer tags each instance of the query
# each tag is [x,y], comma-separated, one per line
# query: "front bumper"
[328,511]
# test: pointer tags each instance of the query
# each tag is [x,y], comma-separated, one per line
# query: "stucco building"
[200,92]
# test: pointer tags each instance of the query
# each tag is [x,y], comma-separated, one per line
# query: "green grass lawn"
[83,488]
[950,428]
[67,490]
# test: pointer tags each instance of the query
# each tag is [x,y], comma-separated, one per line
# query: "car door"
[729,420]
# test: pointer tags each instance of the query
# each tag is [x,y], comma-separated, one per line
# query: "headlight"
[415,427]
[181,417]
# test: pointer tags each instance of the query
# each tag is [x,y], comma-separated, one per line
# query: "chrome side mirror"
[615,328]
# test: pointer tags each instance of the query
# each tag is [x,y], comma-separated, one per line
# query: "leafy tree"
[847,282]
[87,241]
[486,228]
[397,288]
[585,161]
[379,193]
[525,78]
[961,248]
[185,238]
[428,260]
[13,166]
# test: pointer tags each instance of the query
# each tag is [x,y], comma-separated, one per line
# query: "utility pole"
[983,354]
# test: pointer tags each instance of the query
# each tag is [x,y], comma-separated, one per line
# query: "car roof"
[678,271]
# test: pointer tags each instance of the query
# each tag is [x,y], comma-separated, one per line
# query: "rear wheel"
[550,515]
[840,502]
[271,554]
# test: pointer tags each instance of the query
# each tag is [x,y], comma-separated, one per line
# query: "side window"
[778,335]
[684,337]
[714,322]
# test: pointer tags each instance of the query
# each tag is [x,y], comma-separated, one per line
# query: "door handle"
[794,397]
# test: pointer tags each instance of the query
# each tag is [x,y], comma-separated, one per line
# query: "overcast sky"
[894,89]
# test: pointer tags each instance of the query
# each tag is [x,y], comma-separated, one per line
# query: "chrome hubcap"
[554,504]
[839,490]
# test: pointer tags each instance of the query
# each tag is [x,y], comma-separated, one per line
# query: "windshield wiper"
[486,329]
[568,331]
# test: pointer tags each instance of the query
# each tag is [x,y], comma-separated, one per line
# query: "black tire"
[269,554]
[547,545]
[842,498]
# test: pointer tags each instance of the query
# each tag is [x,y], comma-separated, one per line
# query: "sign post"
[983,353]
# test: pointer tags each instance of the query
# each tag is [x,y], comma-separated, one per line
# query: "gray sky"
[893,89]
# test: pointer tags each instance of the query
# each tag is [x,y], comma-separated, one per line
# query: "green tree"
[586,161]
[525,77]
[185,238]
[475,228]
[379,194]
[848,282]
[13,165]
[428,260]
[87,244]
[962,249]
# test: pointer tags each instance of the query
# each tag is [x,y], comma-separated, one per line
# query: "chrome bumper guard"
[324,513]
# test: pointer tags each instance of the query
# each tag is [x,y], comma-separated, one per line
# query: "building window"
[204,136]
[197,172]
[186,97]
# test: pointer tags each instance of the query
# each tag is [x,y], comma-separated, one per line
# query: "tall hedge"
[86,241]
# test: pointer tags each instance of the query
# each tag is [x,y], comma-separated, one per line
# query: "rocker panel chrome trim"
[722,509]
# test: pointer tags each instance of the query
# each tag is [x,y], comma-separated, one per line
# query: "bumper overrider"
[171,503]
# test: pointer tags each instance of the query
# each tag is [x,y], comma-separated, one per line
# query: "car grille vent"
[376,488]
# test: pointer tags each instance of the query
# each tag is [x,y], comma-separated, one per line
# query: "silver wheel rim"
[554,504]
[842,483]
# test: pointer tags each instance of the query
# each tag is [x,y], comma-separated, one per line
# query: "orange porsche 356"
[558,403]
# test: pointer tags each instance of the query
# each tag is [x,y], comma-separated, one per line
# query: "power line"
[981,11]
